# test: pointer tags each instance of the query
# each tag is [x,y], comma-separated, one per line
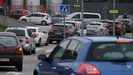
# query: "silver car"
[25,38]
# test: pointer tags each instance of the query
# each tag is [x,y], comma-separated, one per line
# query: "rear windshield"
[91,16]
[6,41]
[58,27]
[110,51]
[17,32]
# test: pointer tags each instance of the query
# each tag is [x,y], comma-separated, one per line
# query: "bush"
[2,28]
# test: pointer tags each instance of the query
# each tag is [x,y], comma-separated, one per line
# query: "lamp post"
[114,18]
[82,18]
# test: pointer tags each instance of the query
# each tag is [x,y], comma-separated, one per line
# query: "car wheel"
[47,42]
[34,51]
[43,23]
[19,67]
[50,41]
[39,43]
[24,20]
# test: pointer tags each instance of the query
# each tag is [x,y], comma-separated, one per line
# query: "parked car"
[16,14]
[120,28]
[37,18]
[57,18]
[25,38]
[97,28]
[88,17]
[40,34]
[106,55]
[56,33]
[11,52]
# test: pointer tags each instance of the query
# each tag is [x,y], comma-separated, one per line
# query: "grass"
[2,28]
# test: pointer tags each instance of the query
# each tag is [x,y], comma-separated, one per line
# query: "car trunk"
[114,68]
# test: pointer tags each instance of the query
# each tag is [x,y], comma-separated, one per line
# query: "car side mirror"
[43,57]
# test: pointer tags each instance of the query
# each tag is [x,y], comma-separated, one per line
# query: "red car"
[119,28]
[11,53]
[16,14]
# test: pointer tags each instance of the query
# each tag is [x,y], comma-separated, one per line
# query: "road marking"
[15,73]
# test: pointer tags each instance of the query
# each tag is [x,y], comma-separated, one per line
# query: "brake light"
[19,51]
[27,40]
[50,30]
[88,69]
[123,41]
[66,31]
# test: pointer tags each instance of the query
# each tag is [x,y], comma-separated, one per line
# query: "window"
[110,51]
[17,32]
[59,50]
[7,41]
[90,16]
[76,16]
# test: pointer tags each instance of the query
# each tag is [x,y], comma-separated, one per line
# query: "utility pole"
[114,18]
[82,18]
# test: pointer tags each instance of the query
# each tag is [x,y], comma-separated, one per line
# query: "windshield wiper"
[125,59]
[3,45]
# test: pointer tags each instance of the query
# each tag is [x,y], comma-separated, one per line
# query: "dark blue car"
[89,56]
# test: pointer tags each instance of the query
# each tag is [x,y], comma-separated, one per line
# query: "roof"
[7,33]
[101,38]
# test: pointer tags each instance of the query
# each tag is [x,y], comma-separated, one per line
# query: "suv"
[56,33]
[37,18]
[25,38]
[39,33]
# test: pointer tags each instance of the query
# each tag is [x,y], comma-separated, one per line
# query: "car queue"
[67,57]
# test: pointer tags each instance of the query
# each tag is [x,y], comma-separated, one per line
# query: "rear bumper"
[13,60]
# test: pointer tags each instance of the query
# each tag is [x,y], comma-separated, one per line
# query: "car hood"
[105,68]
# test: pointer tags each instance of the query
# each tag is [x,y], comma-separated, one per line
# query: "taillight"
[88,69]
[19,51]
[27,40]
[46,17]
[50,30]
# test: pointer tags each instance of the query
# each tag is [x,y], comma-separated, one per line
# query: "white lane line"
[15,73]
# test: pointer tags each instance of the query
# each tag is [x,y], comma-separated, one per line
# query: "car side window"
[76,16]
[59,50]
[72,51]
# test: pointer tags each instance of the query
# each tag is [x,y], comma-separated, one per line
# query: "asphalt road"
[29,62]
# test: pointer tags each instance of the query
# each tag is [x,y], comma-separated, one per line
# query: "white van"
[88,17]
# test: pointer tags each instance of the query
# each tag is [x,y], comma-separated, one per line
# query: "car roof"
[21,28]
[7,33]
[101,38]
[39,13]
[66,24]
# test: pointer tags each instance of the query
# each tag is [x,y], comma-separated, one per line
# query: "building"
[102,6]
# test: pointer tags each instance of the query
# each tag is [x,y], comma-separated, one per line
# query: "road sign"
[113,11]
[76,5]
[65,8]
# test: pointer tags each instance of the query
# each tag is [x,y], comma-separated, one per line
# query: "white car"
[40,33]
[98,27]
[37,18]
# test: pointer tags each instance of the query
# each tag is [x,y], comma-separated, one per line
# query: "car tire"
[19,67]
[24,20]
[47,42]
[34,51]
[39,43]
[43,23]
[50,41]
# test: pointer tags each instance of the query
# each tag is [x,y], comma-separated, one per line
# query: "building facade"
[102,6]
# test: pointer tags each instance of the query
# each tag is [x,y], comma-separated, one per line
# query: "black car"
[59,31]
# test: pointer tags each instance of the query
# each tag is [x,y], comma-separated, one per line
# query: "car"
[57,18]
[88,17]
[16,14]
[59,31]
[95,55]
[120,28]
[40,34]
[37,18]
[96,28]
[11,52]
[25,37]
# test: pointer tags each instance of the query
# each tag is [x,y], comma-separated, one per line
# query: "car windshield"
[17,32]
[110,51]
[7,41]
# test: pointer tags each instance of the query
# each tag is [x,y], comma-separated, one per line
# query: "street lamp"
[82,17]
[114,18]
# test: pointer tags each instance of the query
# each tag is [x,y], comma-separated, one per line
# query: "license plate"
[58,33]
[4,59]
